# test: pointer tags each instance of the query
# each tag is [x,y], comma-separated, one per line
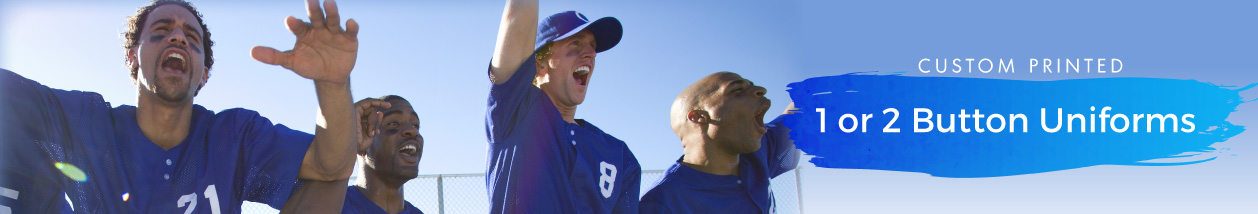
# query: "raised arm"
[516,36]
[783,156]
[329,196]
[326,54]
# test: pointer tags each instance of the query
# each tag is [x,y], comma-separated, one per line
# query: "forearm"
[517,34]
[331,155]
[317,197]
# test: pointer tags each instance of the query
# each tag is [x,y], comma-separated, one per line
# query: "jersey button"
[168,162]
[573,132]
[739,181]
[574,142]
[166,176]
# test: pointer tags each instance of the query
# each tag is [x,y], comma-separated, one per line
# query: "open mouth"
[760,120]
[175,62]
[582,75]
[410,151]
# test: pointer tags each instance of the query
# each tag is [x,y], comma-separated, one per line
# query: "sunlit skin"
[329,196]
[166,85]
[171,68]
[718,118]
[325,53]
[393,157]
[558,76]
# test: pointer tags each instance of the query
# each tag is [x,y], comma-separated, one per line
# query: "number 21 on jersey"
[190,200]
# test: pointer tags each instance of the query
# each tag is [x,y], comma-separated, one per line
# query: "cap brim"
[607,32]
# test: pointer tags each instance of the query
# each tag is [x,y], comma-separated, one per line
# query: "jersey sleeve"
[273,154]
[628,203]
[30,133]
[780,151]
[507,101]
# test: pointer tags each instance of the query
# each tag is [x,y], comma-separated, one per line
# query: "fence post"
[799,188]
[441,197]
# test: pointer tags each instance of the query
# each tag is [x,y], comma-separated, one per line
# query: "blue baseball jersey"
[357,203]
[539,163]
[685,190]
[71,144]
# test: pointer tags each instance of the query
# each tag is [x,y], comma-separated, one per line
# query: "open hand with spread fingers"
[324,51]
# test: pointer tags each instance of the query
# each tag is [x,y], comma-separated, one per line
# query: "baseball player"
[390,161]
[167,154]
[390,149]
[729,155]
[541,159]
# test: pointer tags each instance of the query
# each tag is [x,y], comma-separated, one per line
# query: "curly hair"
[135,27]
[541,55]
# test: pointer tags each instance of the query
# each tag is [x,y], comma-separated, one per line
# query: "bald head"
[694,98]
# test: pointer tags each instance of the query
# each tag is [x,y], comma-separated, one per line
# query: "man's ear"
[540,77]
[697,116]
[540,64]
[363,147]
[362,151]
[204,78]
[132,64]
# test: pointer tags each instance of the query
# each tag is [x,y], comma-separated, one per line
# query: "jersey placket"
[167,168]
[164,165]
[573,134]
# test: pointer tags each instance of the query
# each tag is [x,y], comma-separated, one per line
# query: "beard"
[172,89]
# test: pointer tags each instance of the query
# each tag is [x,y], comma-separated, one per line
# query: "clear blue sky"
[436,55]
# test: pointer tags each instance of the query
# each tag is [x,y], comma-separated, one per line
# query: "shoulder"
[233,117]
[607,137]
[527,68]
[616,143]
[669,184]
[353,201]
[652,206]
[411,209]
[233,113]
[522,75]
[662,194]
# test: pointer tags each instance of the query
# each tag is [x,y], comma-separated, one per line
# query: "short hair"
[391,97]
[135,27]
[543,53]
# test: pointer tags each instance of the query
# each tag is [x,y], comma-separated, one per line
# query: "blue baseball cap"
[606,30]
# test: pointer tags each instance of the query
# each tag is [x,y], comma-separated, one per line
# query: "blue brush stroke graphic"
[968,155]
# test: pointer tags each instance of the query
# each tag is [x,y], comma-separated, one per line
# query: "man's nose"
[410,132]
[760,91]
[178,37]
[588,52]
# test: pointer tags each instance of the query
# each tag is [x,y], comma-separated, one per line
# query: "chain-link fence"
[465,193]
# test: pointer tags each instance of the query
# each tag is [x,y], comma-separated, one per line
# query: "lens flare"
[71,171]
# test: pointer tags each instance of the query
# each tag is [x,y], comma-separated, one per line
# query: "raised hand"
[324,52]
[369,120]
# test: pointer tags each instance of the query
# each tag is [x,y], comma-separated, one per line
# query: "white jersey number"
[190,200]
[7,193]
[606,181]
